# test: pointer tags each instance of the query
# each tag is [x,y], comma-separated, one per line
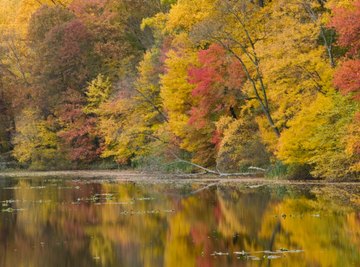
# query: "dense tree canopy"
[225,84]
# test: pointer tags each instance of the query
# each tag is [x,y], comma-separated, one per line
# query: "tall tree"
[238,32]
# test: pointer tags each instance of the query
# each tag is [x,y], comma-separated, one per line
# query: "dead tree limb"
[217,172]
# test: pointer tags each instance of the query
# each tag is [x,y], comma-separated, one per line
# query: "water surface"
[103,222]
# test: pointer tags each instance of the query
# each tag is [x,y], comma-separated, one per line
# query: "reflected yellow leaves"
[128,224]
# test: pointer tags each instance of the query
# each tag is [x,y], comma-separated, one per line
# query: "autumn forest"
[228,85]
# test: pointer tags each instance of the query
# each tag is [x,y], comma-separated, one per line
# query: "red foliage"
[346,22]
[216,138]
[63,49]
[108,35]
[79,133]
[347,78]
[218,83]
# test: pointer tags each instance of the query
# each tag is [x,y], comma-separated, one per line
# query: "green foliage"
[279,170]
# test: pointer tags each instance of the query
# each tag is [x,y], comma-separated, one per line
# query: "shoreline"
[141,176]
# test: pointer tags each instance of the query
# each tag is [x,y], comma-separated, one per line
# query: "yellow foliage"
[34,142]
[25,140]
[295,67]
[316,136]
[186,13]
[317,218]
[15,14]
[175,88]
[241,145]
[268,136]
[129,124]
[98,92]
[353,143]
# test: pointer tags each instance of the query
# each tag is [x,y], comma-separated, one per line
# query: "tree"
[295,64]
[346,22]
[240,145]
[63,55]
[235,30]
[78,131]
[111,47]
[317,136]
[176,90]
[218,92]
[98,92]
[36,142]
[130,123]
[5,123]
[219,81]
[347,78]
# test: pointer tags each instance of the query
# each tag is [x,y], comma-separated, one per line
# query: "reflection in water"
[59,222]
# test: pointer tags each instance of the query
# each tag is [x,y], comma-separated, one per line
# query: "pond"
[55,221]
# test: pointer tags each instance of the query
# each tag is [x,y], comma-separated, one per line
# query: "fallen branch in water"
[257,169]
[217,171]
[207,170]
